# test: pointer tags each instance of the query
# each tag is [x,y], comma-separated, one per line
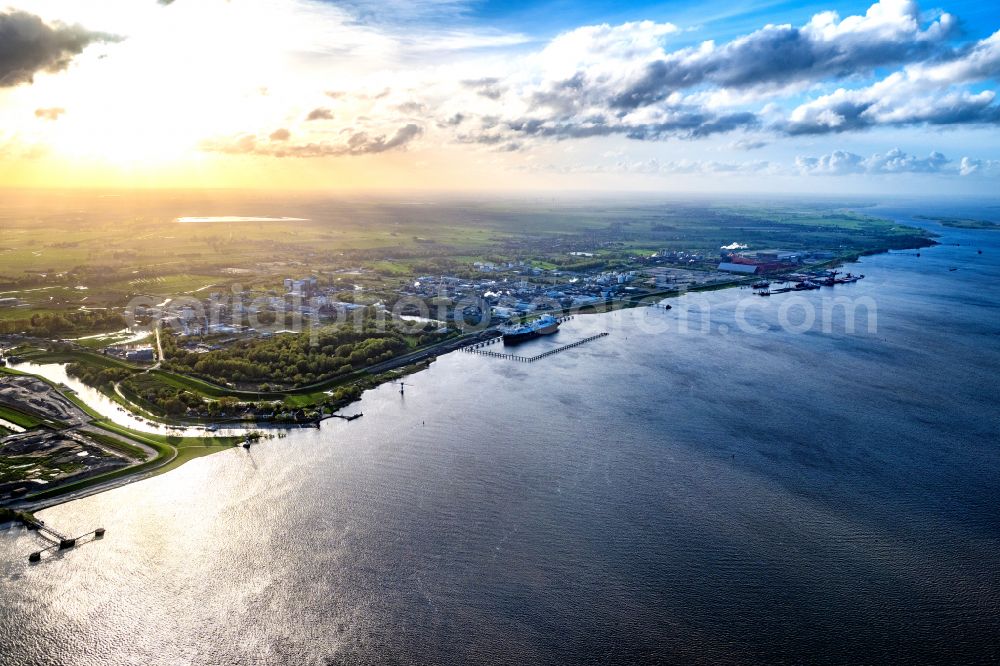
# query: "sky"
[481,95]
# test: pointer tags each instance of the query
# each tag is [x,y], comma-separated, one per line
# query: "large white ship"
[544,325]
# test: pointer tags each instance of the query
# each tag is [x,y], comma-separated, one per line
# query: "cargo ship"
[544,325]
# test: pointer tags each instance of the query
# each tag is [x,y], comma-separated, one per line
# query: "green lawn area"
[187,448]
[188,453]
[90,358]
[115,443]
[390,268]
[205,388]
[9,313]
[19,418]
[306,400]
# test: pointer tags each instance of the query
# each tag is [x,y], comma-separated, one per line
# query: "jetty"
[495,337]
[58,540]
[347,418]
[478,349]
[485,343]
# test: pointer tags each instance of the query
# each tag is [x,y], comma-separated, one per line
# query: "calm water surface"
[714,496]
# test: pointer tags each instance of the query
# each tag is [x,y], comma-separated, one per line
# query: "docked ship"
[544,325]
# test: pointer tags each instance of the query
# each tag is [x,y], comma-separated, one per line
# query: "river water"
[736,492]
[111,410]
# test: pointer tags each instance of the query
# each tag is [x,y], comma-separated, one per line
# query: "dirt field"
[27,394]
[32,460]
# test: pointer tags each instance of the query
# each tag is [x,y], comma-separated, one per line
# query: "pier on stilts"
[496,337]
[59,540]
[479,349]
[347,418]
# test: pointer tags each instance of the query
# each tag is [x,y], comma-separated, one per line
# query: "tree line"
[54,325]
[291,360]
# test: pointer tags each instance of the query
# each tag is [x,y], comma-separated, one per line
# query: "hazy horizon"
[563,195]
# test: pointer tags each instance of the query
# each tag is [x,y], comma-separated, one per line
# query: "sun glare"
[141,111]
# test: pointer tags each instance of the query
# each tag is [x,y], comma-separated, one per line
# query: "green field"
[125,246]
[19,418]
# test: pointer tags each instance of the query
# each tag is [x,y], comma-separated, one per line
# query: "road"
[159,349]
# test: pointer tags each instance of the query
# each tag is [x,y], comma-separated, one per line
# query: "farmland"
[123,246]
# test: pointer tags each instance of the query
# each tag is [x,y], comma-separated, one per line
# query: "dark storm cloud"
[28,45]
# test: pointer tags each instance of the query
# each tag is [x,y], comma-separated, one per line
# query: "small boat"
[952,269]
